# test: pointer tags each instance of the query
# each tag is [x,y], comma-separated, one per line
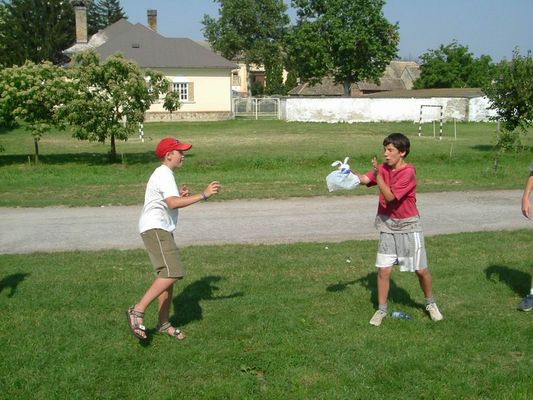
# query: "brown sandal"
[165,328]
[133,316]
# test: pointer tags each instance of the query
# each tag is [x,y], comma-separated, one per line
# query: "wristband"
[204,196]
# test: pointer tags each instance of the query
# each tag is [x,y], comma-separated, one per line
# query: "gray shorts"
[408,250]
[164,253]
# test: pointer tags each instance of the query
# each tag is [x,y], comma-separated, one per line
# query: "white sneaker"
[434,312]
[378,318]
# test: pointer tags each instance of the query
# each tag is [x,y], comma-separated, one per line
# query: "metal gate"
[257,108]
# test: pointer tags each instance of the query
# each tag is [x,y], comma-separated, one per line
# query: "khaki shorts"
[164,253]
[408,250]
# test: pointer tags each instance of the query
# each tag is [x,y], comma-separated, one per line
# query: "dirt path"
[317,219]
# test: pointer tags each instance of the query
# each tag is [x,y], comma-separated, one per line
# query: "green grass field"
[264,322]
[271,322]
[252,159]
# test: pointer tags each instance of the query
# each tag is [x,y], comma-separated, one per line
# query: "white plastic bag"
[342,178]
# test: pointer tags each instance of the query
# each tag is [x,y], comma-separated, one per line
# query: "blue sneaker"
[527,303]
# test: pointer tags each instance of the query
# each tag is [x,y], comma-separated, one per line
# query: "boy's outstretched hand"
[375,163]
[184,191]
[212,188]
[526,207]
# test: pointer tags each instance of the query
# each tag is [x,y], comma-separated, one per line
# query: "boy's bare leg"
[165,300]
[383,294]
[383,284]
[159,286]
[426,282]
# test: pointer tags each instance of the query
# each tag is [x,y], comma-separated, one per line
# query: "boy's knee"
[423,272]
[384,272]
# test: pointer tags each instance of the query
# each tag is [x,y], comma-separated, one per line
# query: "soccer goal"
[433,113]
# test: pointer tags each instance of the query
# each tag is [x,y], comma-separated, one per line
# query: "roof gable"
[149,49]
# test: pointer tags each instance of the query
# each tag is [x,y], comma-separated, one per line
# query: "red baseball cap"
[168,144]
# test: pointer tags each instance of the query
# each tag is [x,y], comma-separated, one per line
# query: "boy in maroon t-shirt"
[401,240]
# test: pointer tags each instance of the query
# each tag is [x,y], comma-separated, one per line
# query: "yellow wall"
[212,89]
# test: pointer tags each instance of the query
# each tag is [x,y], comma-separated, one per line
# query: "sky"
[486,27]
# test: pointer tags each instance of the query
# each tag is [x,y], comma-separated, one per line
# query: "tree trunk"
[36,144]
[113,153]
[347,86]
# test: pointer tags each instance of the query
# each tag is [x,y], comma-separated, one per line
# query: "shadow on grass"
[79,158]
[5,129]
[484,147]
[187,306]
[518,281]
[12,282]
[340,286]
[369,282]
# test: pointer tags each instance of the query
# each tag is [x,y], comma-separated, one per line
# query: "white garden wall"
[357,109]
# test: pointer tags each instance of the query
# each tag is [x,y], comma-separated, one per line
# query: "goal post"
[440,110]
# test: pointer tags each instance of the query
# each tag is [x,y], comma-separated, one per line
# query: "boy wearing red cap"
[157,223]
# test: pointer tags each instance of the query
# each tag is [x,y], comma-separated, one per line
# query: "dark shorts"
[164,253]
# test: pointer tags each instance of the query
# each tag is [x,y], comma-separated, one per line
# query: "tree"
[3,17]
[249,29]
[102,13]
[172,101]
[511,96]
[349,40]
[453,66]
[32,94]
[274,80]
[111,98]
[274,75]
[35,30]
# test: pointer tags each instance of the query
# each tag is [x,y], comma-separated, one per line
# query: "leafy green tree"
[256,89]
[111,98]
[251,30]
[102,13]
[274,80]
[3,44]
[453,66]
[274,76]
[35,30]
[31,94]
[172,101]
[511,96]
[349,40]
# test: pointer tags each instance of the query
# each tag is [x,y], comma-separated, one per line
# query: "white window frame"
[180,84]
[182,88]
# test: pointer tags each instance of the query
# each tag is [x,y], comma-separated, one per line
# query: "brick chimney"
[152,19]
[80,13]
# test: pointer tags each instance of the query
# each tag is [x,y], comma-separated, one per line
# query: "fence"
[257,108]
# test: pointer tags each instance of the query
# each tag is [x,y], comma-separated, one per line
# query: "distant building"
[241,77]
[202,77]
[398,75]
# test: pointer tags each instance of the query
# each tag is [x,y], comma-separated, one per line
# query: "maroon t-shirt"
[402,183]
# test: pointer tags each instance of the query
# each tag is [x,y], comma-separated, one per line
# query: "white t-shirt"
[156,214]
